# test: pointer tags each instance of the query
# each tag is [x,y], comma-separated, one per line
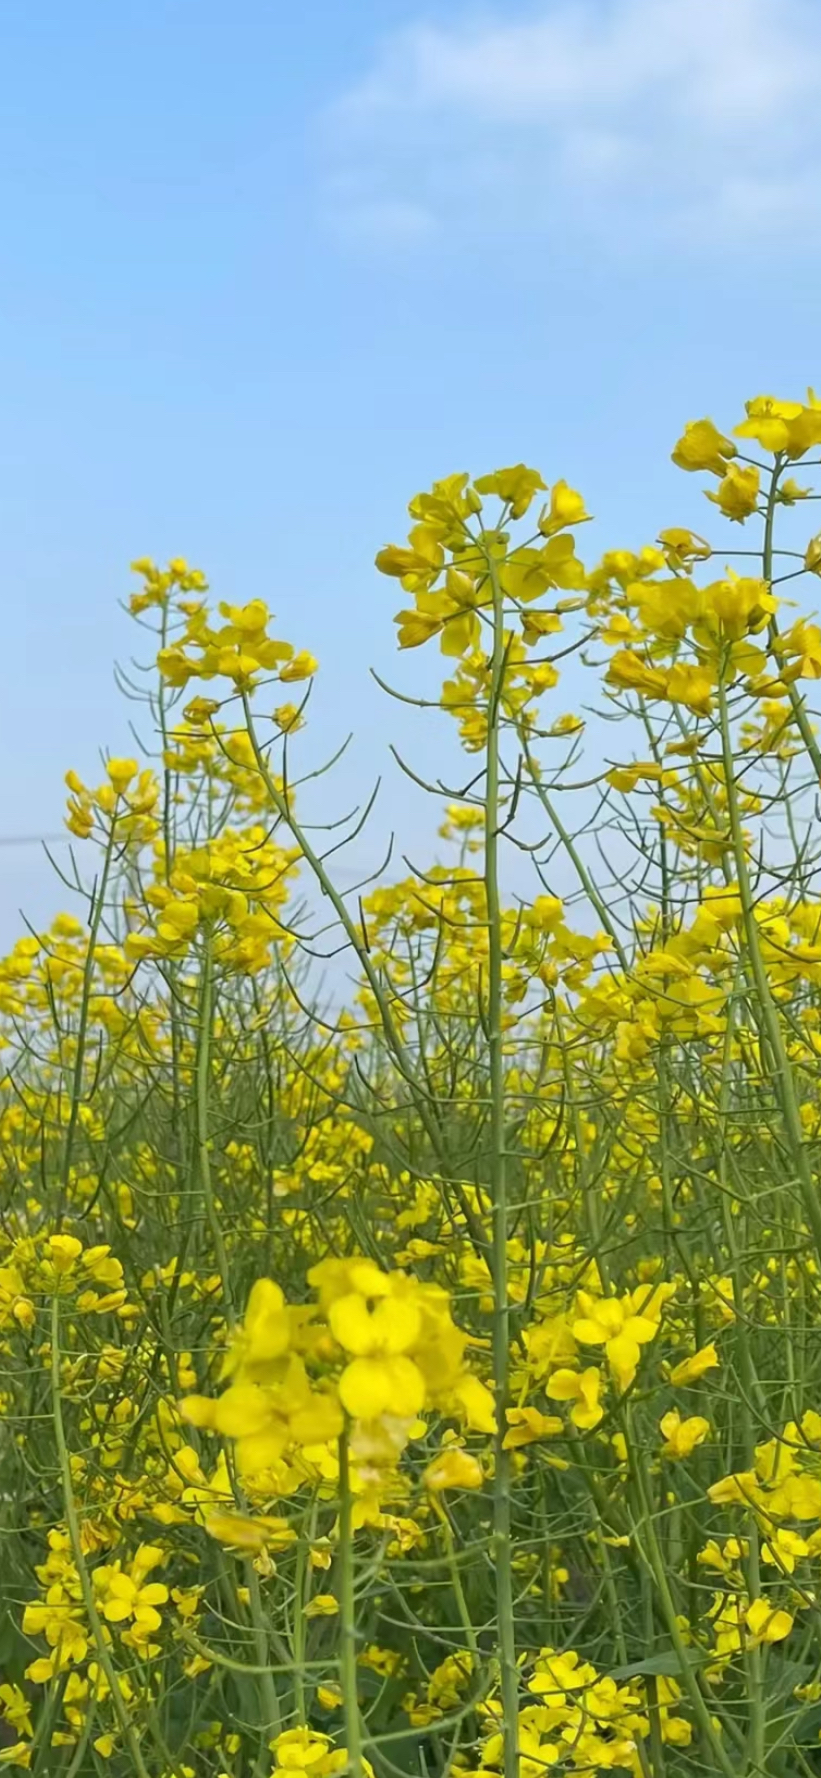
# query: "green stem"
[657,1759]
[97,908]
[73,1524]
[300,1602]
[596,900]
[455,1578]
[269,1697]
[670,1615]
[203,1072]
[797,704]
[79,1754]
[751,1392]
[425,1106]
[502,1547]
[765,1008]
[398,1049]
[347,1615]
[269,1700]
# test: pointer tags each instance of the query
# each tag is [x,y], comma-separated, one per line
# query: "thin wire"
[33,839]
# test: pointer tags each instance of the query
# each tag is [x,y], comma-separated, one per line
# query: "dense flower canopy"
[432,1382]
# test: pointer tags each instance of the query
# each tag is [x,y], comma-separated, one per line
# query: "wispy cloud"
[696,119]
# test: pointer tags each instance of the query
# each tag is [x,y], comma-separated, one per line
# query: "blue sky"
[266,270]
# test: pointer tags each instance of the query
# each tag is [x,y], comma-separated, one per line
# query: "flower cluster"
[126,803]
[239,649]
[386,1351]
[409,1287]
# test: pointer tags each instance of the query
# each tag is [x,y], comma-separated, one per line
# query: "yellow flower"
[787,426]
[301,666]
[667,608]
[766,1623]
[789,491]
[799,1497]
[15,1709]
[14,1304]
[527,1425]
[628,672]
[381,1384]
[417,567]
[376,1322]
[737,493]
[583,1389]
[62,1251]
[615,1324]
[448,1681]
[692,685]
[812,556]
[682,1436]
[378,1329]
[535,1753]
[742,1488]
[683,547]
[128,1597]
[474,1402]
[56,1618]
[690,1370]
[287,718]
[263,1420]
[239,1532]
[737,607]
[566,508]
[121,772]
[304,1750]
[322,1605]
[702,446]
[549,1344]
[516,487]
[569,724]
[783,1548]
[17,1754]
[453,1468]
[264,1336]
[556,1674]
[724,1557]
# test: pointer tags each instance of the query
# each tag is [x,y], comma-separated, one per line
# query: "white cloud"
[659,113]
